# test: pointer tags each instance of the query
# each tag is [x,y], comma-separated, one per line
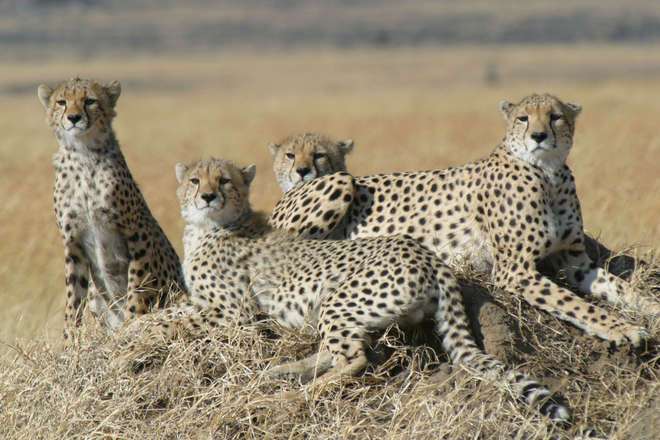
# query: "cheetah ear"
[346,146]
[248,173]
[180,170]
[113,90]
[574,108]
[44,93]
[506,107]
[273,148]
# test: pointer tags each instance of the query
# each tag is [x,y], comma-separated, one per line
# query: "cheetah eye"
[61,102]
[555,117]
[223,181]
[291,155]
[90,101]
[194,181]
[318,156]
[522,118]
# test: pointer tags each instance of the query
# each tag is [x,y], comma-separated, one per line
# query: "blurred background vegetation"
[30,28]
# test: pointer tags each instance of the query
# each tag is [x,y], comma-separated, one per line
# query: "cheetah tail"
[462,349]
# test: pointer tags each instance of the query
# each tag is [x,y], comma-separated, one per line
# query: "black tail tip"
[556,411]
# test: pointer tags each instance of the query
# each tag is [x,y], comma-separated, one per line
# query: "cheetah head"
[80,109]
[304,157]
[213,192]
[540,129]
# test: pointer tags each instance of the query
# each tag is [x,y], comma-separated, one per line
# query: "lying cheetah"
[344,288]
[502,214]
[108,231]
[301,158]
[620,265]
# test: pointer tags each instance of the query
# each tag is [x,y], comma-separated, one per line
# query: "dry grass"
[409,109]
[214,388]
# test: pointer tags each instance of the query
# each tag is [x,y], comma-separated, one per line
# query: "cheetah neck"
[551,166]
[194,235]
[92,143]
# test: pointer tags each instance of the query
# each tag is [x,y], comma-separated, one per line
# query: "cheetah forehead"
[541,102]
[211,169]
[78,88]
[308,143]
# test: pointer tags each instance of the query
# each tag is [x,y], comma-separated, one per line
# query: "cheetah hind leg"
[308,368]
[334,192]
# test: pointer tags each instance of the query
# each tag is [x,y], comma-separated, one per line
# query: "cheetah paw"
[626,335]
[652,309]
[278,371]
[636,335]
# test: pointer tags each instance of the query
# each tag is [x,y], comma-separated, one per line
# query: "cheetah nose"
[303,171]
[539,136]
[74,118]
[208,197]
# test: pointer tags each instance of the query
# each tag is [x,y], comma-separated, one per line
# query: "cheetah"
[110,237]
[346,289]
[502,215]
[620,265]
[303,157]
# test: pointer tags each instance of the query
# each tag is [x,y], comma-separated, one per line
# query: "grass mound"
[215,387]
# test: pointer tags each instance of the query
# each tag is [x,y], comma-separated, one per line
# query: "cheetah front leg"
[343,366]
[592,280]
[341,353]
[142,340]
[343,358]
[338,367]
[139,295]
[545,295]
[101,306]
[76,278]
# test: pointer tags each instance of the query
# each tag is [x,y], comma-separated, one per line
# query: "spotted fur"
[502,215]
[111,240]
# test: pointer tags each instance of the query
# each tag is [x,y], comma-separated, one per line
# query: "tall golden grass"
[406,110]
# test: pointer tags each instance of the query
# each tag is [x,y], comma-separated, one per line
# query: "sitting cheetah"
[344,288]
[301,158]
[502,214]
[108,231]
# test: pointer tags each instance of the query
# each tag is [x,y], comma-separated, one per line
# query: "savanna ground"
[406,109]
